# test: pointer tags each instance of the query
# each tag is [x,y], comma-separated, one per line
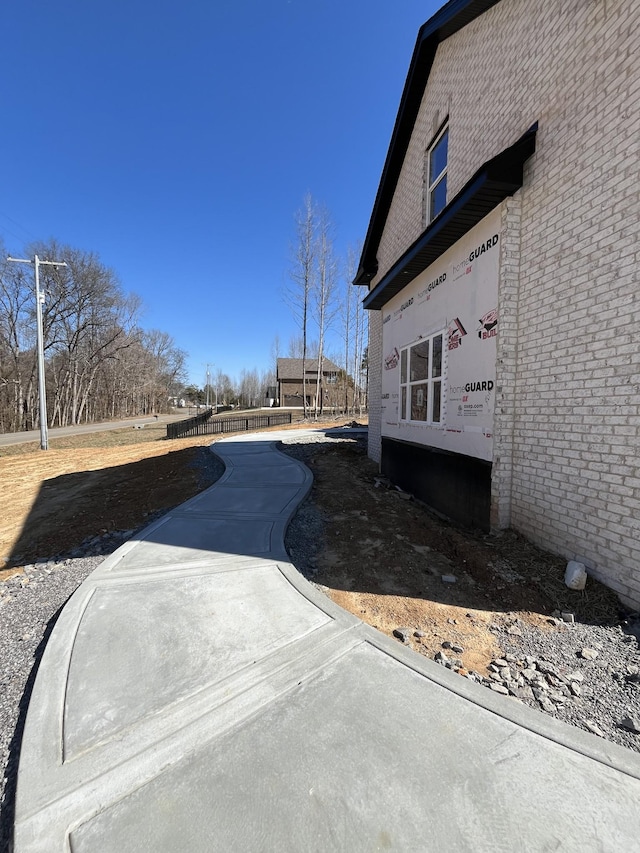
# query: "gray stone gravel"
[29,606]
[305,534]
[605,689]
[549,671]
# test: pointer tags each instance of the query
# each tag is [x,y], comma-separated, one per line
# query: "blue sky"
[178,140]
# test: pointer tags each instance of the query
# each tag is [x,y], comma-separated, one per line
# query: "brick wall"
[567,432]
[375,384]
[506,362]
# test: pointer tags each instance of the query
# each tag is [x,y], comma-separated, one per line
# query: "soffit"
[496,179]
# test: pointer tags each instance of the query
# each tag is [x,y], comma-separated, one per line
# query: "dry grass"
[54,496]
[109,438]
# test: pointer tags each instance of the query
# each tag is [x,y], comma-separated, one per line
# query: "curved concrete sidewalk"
[198,695]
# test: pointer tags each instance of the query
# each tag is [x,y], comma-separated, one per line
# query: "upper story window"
[436,179]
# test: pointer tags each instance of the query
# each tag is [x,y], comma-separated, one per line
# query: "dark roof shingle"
[291,368]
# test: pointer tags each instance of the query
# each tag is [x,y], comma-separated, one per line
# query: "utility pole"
[215,391]
[42,390]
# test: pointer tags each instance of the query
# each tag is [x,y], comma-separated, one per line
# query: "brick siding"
[375,384]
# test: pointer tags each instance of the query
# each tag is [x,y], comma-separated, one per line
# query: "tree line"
[99,363]
[249,391]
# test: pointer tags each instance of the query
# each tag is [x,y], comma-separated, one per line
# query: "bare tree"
[349,315]
[86,320]
[224,388]
[295,348]
[17,348]
[275,350]
[166,368]
[267,384]
[98,362]
[145,375]
[322,293]
[298,295]
[249,389]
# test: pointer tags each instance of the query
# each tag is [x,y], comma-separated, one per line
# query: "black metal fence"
[206,425]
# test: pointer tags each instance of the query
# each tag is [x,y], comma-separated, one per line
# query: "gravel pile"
[586,675]
[600,666]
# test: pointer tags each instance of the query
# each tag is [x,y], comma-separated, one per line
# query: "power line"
[18,225]
[13,233]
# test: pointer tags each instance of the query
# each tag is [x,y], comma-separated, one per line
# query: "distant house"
[291,387]
[501,263]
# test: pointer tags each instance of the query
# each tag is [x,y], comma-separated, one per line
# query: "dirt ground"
[86,485]
[383,558]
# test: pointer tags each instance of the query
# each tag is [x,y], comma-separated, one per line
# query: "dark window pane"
[419,361]
[435,406]
[438,158]
[403,366]
[403,410]
[436,358]
[438,197]
[419,402]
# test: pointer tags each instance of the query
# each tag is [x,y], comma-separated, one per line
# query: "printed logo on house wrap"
[483,247]
[425,294]
[455,334]
[391,360]
[464,266]
[480,385]
[488,327]
[397,314]
[469,406]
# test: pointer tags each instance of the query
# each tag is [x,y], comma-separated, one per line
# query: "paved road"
[59,432]
[197,694]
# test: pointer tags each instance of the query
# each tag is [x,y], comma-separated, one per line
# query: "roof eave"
[451,18]
[496,179]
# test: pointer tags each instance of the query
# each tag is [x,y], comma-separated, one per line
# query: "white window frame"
[412,387]
[432,185]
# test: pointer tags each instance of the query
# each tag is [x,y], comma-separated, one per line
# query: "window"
[421,380]
[436,175]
